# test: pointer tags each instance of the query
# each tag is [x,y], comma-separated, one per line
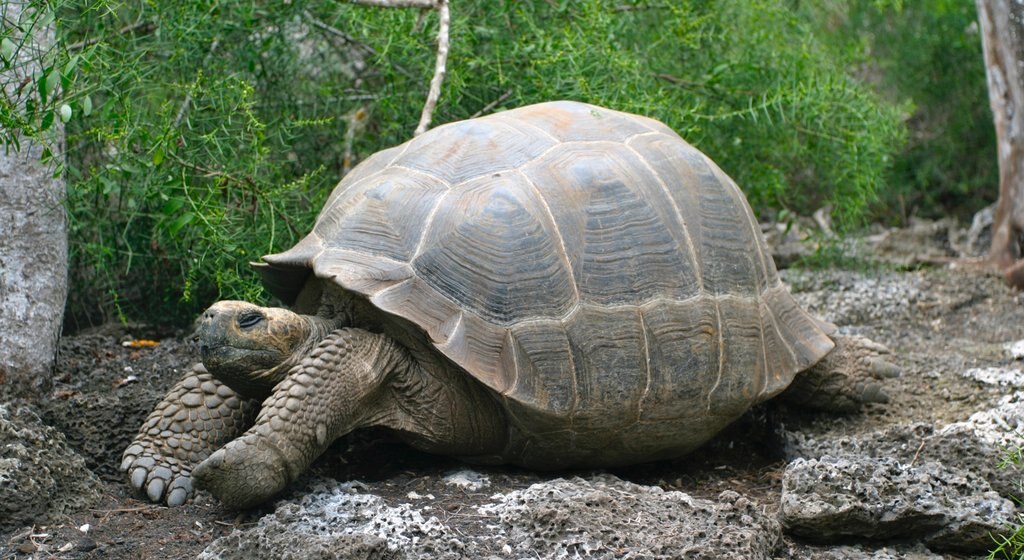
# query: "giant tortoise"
[559,285]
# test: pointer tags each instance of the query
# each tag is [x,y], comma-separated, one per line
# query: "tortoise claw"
[179,491]
[882,369]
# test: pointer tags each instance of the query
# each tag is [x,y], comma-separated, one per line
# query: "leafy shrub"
[217,129]
[925,56]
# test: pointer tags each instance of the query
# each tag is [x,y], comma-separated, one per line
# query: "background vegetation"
[202,135]
[924,56]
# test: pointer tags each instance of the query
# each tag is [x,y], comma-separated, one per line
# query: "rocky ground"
[914,478]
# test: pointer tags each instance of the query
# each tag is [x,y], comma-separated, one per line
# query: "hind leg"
[851,375]
[198,416]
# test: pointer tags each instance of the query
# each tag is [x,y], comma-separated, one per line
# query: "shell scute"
[568,121]
[466,150]
[489,240]
[607,203]
[383,217]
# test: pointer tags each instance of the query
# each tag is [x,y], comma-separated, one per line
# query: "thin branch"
[487,108]
[916,455]
[439,67]
[425,4]
[207,172]
[126,510]
[188,96]
[679,81]
[356,121]
[144,25]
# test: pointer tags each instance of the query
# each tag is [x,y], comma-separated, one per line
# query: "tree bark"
[1002,32]
[33,239]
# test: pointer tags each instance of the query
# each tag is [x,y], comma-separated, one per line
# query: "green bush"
[925,56]
[217,129]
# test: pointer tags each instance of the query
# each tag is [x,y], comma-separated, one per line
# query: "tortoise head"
[250,348]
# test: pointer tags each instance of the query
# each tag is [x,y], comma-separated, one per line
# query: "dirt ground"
[938,322]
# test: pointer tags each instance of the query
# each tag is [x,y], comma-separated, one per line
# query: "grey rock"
[862,552]
[979,235]
[855,298]
[791,241]
[333,521]
[467,479]
[1000,425]
[605,517]
[595,518]
[976,445]
[41,478]
[882,498]
[923,241]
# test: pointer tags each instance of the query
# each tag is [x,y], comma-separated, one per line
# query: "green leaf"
[158,155]
[181,221]
[47,121]
[86,106]
[172,206]
[42,84]
[7,48]
[70,66]
[52,79]
[109,186]
[65,112]
[47,19]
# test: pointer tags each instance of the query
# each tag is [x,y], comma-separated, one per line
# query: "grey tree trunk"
[1002,32]
[33,240]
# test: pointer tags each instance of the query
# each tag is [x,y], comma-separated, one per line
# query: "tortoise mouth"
[237,360]
[249,372]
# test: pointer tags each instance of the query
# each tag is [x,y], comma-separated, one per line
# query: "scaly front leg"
[329,393]
[197,417]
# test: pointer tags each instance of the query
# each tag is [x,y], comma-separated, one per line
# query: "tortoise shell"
[585,264]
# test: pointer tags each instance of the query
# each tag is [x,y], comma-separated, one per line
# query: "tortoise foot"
[160,478]
[850,376]
[244,473]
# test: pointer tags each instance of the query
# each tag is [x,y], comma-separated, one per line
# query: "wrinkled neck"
[259,384]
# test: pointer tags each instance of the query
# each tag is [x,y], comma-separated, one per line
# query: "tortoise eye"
[249,320]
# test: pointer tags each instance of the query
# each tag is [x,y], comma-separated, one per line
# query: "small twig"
[235,524]
[188,96]
[439,67]
[678,81]
[710,89]
[356,121]
[999,420]
[916,455]
[125,510]
[123,31]
[207,172]
[487,108]
[425,4]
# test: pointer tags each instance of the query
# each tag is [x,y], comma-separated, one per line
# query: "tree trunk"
[1002,32]
[33,239]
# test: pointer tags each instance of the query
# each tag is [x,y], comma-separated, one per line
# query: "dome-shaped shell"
[581,262]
